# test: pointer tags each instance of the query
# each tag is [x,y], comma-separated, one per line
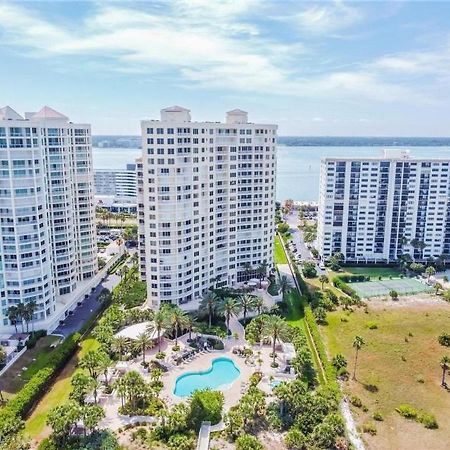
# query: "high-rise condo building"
[206,200]
[376,209]
[48,239]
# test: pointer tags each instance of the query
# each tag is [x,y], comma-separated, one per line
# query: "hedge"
[117,264]
[23,402]
[342,285]
[330,371]
[31,343]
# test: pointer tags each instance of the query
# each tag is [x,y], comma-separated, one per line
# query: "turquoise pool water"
[222,372]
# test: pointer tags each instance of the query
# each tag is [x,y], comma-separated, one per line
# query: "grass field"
[396,368]
[373,272]
[59,392]
[279,255]
[15,377]
[376,288]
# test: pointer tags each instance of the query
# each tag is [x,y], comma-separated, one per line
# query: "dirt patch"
[413,302]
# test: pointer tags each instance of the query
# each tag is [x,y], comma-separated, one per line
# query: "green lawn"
[35,426]
[279,255]
[374,272]
[401,351]
[34,359]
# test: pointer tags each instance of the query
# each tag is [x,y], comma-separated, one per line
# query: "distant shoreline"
[300,141]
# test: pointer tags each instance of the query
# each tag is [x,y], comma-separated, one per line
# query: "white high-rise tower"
[206,200]
[48,238]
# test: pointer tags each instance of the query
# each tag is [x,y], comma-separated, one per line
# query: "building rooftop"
[7,113]
[49,113]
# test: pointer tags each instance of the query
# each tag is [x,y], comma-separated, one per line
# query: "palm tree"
[190,325]
[13,315]
[178,319]
[209,303]
[445,365]
[437,287]
[247,303]
[21,314]
[275,328]
[143,342]
[247,270]
[284,284]
[121,388]
[259,304]
[229,308]
[123,271]
[30,310]
[323,279]
[261,270]
[120,345]
[430,270]
[160,323]
[358,342]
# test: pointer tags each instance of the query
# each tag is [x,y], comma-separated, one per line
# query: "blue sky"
[316,68]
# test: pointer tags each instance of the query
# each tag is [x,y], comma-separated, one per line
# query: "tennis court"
[379,288]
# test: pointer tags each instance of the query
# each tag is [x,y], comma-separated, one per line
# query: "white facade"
[48,238]
[206,200]
[376,209]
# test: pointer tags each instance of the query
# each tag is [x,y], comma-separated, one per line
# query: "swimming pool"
[223,372]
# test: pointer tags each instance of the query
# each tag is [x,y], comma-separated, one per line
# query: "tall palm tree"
[121,388]
[120,345]
[160,324]
[323,279]
[30,310]
[358,343]
[247,269]
[261,270]
[190,325]
[445,365]
[209,303]
[277,329]
[13,316]
[284,284]
[247,303]
[178,319]
[143,342]
[21,313]
[229,308]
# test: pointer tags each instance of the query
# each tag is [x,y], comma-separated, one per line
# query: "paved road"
[90,305]
[297,237]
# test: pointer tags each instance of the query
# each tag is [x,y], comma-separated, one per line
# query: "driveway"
[90,306]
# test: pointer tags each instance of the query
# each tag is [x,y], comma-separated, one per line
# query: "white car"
[321,266]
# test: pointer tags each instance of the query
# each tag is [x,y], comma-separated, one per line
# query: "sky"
[332,68]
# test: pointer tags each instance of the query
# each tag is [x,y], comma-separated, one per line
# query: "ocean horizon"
[298,167]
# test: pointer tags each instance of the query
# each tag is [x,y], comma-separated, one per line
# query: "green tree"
[430,271]
[275,328]
[437,287]
[247,303]
[13,316]
[205,405]
[62,420]
[259,305]
[95,362]
[322,280]
[295,439]
[142,342]
[160,324]
[209,303]
[82,384]
[120,345]
[229,308]
[339,361]
[261,271]
[358,343]
[284,284]
[393,294]
[178,320]
[309,269]
[91,415]
[444,339]
[445,365]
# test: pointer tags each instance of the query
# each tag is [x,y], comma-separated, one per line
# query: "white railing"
[13,360]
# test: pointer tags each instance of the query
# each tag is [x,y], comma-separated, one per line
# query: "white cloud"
[203,43]
[327,18]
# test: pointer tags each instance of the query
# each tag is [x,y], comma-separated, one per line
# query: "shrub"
[369,428]
[31,343]
[377,416]
[180,442]
[427,420]
[444,339]
[407,411]
[248,442]
[356,401]
[295,439]
[420,379]
[372,325]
